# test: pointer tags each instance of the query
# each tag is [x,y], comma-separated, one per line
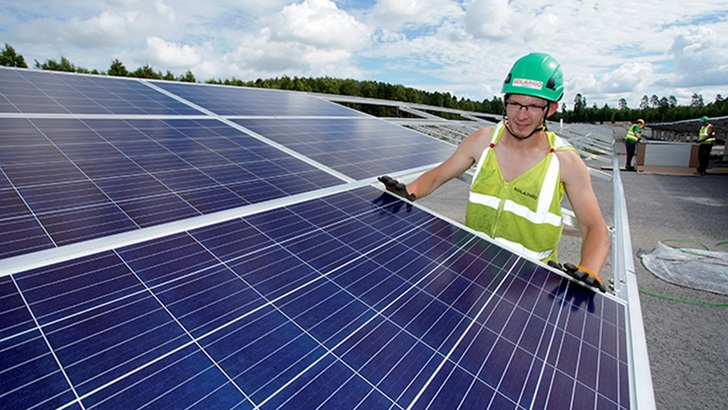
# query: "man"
[706,138]
[522,172]
[630,141]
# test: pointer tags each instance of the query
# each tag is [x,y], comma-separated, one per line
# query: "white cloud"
[627,77]
[106,29]
[171,55]
[394,14]
[310,38]
[701,57]
[490,19]
[318,23]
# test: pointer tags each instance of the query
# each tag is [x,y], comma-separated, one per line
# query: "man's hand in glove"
[397,186]
[581,274]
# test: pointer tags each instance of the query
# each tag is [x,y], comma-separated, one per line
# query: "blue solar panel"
[232,101]
[359,148]
[355,300]
[75,179]
[29,91]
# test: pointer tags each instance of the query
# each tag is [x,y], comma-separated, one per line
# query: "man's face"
[525,114]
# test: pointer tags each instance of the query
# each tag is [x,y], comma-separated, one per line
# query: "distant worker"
[634,134]
[706,138]
[521,174]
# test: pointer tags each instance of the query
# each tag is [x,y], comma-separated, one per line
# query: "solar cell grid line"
[368,324]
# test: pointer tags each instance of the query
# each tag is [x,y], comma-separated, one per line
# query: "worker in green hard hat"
[706,138]
[522,172]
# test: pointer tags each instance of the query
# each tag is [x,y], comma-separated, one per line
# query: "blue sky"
[608,49]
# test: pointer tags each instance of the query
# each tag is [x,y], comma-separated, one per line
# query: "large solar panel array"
[84,175]
[318,292]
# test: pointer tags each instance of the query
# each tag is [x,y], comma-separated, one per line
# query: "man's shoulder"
[475,143]
[559,143]
[484,132]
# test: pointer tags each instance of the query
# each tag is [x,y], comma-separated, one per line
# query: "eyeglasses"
[515,107]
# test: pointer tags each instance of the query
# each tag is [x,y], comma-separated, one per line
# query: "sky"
[608,49]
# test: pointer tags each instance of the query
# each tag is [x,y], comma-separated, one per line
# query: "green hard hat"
[703,119]
[535,74]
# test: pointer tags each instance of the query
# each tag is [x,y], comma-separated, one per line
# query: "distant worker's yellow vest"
[523,215]
[704,134]
[632,134]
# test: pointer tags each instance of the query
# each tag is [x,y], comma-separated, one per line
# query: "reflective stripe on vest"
[522,250]
[510,213]
[704,134]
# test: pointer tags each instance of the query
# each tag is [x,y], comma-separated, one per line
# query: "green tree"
[697,100]
[644,103]
[63,65]
[9,58]
[146,72]
[117,69]
[188,77]
[579,113]
[654,101]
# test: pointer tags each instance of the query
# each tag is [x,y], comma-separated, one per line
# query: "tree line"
[651,109]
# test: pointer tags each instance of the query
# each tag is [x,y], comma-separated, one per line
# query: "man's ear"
[553,107]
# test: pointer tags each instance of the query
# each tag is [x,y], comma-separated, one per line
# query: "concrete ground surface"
[687,343]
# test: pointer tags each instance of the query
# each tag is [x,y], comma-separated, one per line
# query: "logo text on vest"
[524,193]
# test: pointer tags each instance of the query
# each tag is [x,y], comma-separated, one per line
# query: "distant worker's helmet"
[535,74]
[641,121]
[703,119]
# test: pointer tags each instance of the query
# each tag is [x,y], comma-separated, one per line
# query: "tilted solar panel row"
[353,300]
[66,179]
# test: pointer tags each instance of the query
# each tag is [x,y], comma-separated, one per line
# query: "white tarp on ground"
[694,268]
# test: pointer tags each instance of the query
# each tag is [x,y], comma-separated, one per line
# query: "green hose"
[689,241]
[687,301]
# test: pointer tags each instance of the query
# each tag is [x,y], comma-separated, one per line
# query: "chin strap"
[538,129]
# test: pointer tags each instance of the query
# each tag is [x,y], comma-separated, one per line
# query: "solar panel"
[244,101]
[29,91]
[359,148]
[364,302]
[78,179]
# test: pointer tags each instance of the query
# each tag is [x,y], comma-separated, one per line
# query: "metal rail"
[626,288]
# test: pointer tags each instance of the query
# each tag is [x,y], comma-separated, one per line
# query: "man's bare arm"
[594,233]
[466,154]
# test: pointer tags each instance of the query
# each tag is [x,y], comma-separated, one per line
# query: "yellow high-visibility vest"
[523,215]
[633,134]
[704,134]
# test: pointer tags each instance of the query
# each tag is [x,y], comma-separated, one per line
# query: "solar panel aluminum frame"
[627,288]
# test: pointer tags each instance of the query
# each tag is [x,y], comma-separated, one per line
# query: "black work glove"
[581,273]
[396,186]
